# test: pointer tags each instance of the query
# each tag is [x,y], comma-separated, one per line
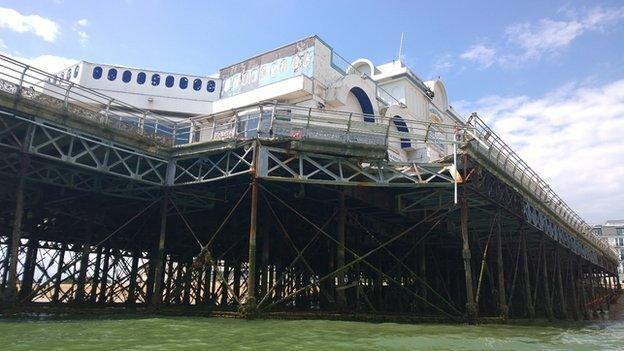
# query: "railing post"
[21,81]
[259,127]
[107,110]
[308,121]
[66,98]
[142,121]
[214,128]
[388,131]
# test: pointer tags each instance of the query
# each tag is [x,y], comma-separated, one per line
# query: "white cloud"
[441,64]
[529,41]
[482,54]
[49,63]
[42,27]
[572,137]
[83,37]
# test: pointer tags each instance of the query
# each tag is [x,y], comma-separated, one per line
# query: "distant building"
[613,231]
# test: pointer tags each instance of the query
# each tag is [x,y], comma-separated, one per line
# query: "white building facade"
[307,74]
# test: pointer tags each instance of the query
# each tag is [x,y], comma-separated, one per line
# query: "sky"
[548,76]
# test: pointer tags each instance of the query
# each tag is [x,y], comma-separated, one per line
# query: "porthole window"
[68,74]
[197,84]
[112,74]
[97,72]
[126,77]
[76,69]
[183,83]
[210,86]
[155,79]
[141,77]
[169,81]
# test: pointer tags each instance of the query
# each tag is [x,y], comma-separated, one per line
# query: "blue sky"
[547,75]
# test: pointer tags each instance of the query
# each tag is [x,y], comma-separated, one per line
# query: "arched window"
[169,81]
[76,69]
[141,77]
[155,79]
[197,84]
[401,126]
[210,86]
[183,83]
[112,74]
[126,76]
[365,104]
[97,72]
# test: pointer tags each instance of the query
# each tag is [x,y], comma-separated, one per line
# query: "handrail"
[44,88]
[551,200]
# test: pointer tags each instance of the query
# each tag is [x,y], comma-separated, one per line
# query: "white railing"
[55,93]
[506,159]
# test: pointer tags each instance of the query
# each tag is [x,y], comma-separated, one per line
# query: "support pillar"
[547,296]
[29,267]
[158,263]
[502,298]
[471,306]
[527,279]
[10,294]
[562,296]
[82,275]
[250,302]
[341,299]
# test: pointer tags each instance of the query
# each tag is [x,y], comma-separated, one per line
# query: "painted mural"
[283,63]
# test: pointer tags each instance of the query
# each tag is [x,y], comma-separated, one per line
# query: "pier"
[275,210]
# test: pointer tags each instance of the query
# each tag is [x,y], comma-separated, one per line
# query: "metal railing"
[504,157]
[52,92]
[283,121]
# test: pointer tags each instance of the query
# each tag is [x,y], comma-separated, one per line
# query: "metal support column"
[471,306]
[250,301]
[502,299]
[341,299]
[158,262]
[527,278]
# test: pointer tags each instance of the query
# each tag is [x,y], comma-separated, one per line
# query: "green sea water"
[197,333]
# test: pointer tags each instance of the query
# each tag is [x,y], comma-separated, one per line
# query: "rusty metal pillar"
[250,301]
[10,293]
[471,306]
[29,266]
[527,278]
[422,271]
[341,299]
[264,284]
[16,234]
[158,262]
[547,296]
[82,275]
[59,279]
[132,287]
[562,298]
[502,298]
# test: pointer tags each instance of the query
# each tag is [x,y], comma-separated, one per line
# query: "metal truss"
[207,168]
[543,222]
[285,165]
